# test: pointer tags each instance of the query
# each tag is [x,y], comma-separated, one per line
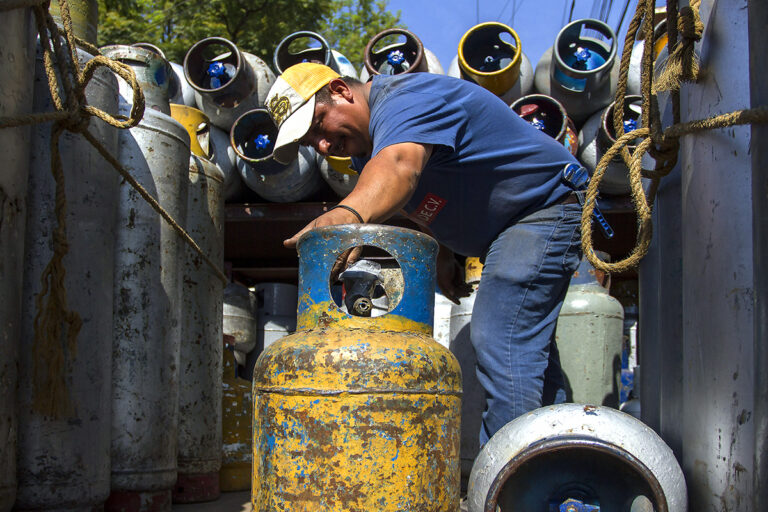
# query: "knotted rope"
[663,145]
[55,326]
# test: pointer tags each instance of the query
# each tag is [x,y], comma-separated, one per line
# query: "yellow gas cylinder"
[355,413]
[236,411]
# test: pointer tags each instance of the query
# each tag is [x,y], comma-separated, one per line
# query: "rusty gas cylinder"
[357,413]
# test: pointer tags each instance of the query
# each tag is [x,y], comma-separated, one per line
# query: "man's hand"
[450,276]
[330,218]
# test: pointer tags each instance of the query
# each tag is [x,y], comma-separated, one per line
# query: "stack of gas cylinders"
[140,415]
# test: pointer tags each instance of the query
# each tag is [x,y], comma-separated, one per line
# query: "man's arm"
[384,187]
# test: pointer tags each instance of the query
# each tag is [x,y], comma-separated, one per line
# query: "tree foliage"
[352,23]
[255,26]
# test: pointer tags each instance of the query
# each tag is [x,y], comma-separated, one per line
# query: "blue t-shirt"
[489,168]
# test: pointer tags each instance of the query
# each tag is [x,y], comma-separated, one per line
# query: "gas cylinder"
[17,59]
[199,453]
[152,71]
[225,158]
[634,76]
[576,457]
[275,318]
[355,412]
[85,18]
[581,69]
[473,401]
[63,455]
[408,55]
[441,322]
[312,48]
[179,90]
[276,312]
[226,80]
[253,136]
[240,320]
[598,135]
[589,337]
[147,323]
[548,115]
[338,173]
[236,412]
[490,54]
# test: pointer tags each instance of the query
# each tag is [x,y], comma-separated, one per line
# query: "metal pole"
[621,20]
[758,39]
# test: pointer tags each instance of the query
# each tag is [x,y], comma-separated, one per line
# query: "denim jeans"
[525,277]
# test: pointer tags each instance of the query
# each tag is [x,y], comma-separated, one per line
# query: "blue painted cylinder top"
[415,252]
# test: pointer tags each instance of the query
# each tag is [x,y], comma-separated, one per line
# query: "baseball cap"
[291,103]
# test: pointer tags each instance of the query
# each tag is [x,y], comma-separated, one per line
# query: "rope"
[55,326]
[663,145]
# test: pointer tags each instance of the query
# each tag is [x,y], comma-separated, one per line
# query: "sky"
[440,24]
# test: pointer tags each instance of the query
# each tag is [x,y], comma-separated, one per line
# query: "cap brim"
[292,130]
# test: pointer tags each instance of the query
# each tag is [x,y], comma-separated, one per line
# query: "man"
[484,182]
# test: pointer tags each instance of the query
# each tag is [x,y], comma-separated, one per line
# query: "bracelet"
[349,209]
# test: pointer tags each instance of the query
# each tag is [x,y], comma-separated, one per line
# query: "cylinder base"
[137,501]
[196,488]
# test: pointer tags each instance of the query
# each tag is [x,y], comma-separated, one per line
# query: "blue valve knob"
[489,59]
[395,57]
[630,125]
[538,124]
[216,69]
[582,55]
[262,141]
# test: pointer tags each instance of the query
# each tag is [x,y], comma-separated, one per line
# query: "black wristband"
[349,209]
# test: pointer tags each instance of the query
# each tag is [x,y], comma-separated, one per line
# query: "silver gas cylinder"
[17,59]
[152,72]
[240,320]
[589,336]
[598,135]
[199,456]
[581,69]
[84,15]
[227,81]
[147,323]
[276,318]
[212,143]
[179,90]
[253,136]
[576,457]
[490,54]
[548,115]
[276,312]
[634,76]
[473,400]
[384,57]
[441,327]
[306,46]
[338,173]
[225,158]
[65,425]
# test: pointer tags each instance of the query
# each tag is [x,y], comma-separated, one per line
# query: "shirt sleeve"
[406,115]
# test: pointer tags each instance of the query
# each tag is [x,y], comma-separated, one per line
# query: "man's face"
[340,127]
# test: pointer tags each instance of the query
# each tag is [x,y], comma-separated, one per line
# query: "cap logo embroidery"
[279,106]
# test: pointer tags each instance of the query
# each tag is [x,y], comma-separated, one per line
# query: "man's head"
[312,105]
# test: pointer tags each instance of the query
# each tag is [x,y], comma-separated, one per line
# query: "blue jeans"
[525,277]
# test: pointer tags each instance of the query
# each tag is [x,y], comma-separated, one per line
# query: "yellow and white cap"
[291,103]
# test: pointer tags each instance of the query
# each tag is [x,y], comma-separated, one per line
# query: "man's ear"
[339,87]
